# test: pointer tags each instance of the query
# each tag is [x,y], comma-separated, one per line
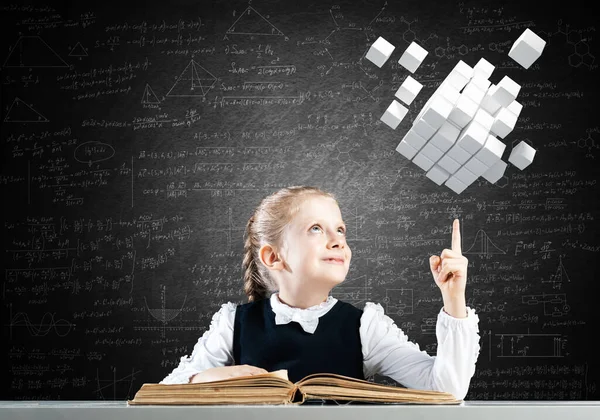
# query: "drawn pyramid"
[250,22]
[78,51]
[561,273]
[483,245]
[32,51]
[195,80]
[149,96]
[20,112]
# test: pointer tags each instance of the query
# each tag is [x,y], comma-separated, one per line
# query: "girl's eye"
[341,228]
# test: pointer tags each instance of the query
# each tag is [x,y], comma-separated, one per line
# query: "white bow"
[308,325]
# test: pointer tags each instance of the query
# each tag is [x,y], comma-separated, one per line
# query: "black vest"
[335,346]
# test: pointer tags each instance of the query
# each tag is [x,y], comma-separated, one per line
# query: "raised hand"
[449,270]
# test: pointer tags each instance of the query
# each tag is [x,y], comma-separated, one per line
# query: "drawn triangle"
[561,273]
[250,22]
[78,51]
[149,96]
[195,80]
[32,51]
[20,112]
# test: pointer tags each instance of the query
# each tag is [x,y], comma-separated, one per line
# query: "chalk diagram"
[163,314]
[483,245]
[343,155]
[161,318]
[20,112]
[250,22]
[428,325]
[121,388]
[61,327]
[555,304]
[149,97]
[531,345]
[33,51]
[78,51]
[194,80]
[559,276]
[355,223]
[399,301]
[578,40]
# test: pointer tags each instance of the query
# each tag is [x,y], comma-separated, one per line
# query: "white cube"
[474,92]
[495,172]
[483,68]
[522,155]
[430,151]
[450,93]
[438,112]
[463,111]
[423,129]
[527,48]
[481,82]
[423,109]
[491,152]
[459,154]
[414,140]
[460,75]
[506,91]
[423,161]
[394,113]
[465,176]
[406,149]
[476,166]
[437,174]
[449,164]
[484,119]
[445,137]
[445,90]
[473,137]
[380,51]
[455,184]
[408,90]
[412,57]
[515,107]
[488,103]
[427,105]
[504,123]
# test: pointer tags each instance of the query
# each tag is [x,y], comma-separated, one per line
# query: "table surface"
[117,410]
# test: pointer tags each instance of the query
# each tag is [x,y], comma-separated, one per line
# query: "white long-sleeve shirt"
[386,349]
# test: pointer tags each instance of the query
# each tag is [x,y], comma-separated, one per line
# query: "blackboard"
[137,140]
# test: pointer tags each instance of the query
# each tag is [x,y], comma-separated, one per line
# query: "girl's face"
[315,236]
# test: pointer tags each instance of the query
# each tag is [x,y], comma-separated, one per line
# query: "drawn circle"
[93,152]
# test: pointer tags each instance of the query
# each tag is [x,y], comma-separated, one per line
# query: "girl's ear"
[270,258]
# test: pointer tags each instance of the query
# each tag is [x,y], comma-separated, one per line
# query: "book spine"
[296,395]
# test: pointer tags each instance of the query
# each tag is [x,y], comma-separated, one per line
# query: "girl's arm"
[213,349]
[387,351]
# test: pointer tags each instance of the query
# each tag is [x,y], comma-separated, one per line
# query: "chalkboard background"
[137,140]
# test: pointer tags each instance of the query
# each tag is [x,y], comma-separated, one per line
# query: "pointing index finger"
[456,236]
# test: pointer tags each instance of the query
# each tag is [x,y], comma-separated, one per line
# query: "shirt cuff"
[455,323]
[182,377]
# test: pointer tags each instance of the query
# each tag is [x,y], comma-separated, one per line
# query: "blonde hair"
[266,225]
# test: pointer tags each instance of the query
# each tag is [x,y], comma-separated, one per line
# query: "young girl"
[295,253]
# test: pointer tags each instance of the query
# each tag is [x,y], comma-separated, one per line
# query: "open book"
[276,388]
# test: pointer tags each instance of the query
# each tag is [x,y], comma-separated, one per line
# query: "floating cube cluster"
[455,136]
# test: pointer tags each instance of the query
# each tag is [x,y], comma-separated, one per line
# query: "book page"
[363,387]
